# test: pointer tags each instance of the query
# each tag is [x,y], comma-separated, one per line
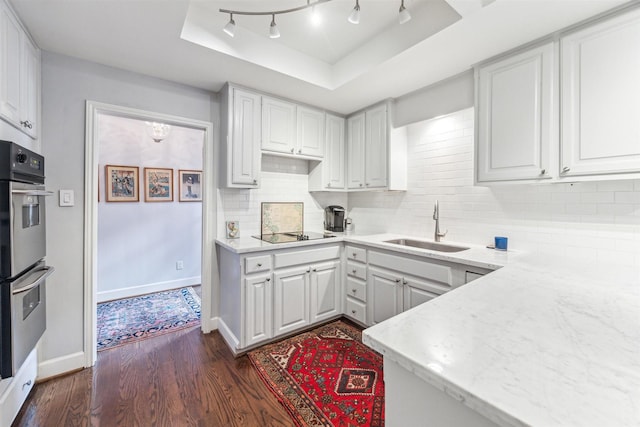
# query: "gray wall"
[67,84]
[447,96]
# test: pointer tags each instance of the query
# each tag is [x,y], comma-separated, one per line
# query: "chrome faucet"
[436,216]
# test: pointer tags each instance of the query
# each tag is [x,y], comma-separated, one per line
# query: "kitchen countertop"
[545,341]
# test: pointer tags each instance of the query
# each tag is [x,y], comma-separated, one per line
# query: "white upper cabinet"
[19,76]
[278,126]
[240,135]
[330,174]
[376,151]
[355,151]
[601,98]
[516,110]
[292,129]
[310,141]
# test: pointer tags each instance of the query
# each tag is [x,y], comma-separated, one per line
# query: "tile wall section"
[282,180]
[594,220]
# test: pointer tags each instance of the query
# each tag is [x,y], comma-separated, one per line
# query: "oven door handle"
[45,272]
[33,192]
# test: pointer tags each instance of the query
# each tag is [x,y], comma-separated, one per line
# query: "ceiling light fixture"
[158,131]
[404,16]
[274,33]
[231,26]
[354,17]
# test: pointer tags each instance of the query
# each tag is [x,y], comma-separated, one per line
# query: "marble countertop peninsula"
[545,341]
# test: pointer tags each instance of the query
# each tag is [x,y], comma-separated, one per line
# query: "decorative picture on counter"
[233,229]
[190,185]
[121,183]
[158,185]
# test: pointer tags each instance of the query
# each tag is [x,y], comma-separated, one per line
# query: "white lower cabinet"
[385,297]
[268,294]
[258,294]
[14,391]
[291,303]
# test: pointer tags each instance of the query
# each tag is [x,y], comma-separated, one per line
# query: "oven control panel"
[20,164]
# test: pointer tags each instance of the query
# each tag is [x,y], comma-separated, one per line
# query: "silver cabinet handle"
[404,281]
[329,185]
[353,312]
[292,150]
[255,182]
[566,169]
[360,184]
[314,270]
[543,171]
[45,272]
[354,271]
[397,280]
[367,184]
[33,192]
[309,270]
[353,290]
[259,264]
[27,384]
[299,150]
[27,124]
[355,254]
[268,279]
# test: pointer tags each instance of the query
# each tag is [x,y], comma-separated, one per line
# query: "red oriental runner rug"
[325,377]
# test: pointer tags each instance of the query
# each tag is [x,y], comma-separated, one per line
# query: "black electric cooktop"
[293,237]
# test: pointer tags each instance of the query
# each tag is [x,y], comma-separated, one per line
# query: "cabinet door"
[385,294]
[325,290]
[333,162]
[375,169]
[30,87]
[291,299]
[516,116]
[600,102]
[245,147]
[258,302]
[310,132]
[416,292]
[355,151]
[11,40]
[278,125]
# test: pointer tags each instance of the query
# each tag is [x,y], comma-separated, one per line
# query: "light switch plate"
[66,198]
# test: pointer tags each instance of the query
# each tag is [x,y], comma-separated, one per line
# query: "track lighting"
[230,28]
[354,17]
[274,33]
[404,16]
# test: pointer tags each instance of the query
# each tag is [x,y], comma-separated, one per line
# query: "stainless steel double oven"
[23,272]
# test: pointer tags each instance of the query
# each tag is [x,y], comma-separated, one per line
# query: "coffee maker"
[334,218]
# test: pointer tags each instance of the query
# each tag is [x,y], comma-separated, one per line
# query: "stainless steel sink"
[433,246]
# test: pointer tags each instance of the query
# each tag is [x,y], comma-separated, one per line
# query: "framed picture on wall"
[158,185]
[190,185]
[121,183]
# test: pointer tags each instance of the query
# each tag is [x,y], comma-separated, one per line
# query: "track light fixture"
[403,16]
[274,32]
[230,28]
[354,17]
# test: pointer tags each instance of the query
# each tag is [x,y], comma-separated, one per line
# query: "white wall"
[594,220]
[67,84]
[139,243]
[282,180]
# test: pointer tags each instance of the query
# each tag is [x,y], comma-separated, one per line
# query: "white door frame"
[209,209]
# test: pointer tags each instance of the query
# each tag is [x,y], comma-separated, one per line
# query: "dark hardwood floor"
[183,378]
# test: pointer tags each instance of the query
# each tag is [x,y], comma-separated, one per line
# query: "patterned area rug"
[127,320]
[325,377]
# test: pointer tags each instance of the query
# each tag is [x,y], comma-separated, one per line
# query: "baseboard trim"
[147,289]
[209,325]
[60,365]
[229,337]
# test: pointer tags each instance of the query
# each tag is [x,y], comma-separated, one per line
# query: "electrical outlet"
[179,265]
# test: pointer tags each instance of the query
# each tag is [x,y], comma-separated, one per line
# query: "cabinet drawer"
[356,310]
[356,254]
[431,270]
[14,396]
[357,289]
[356,269]
[255,264]
[298,257]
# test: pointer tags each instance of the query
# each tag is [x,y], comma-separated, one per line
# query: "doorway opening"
[150,209]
